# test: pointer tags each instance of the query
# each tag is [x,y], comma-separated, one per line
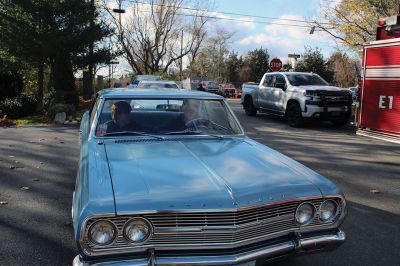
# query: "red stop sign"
[275,64]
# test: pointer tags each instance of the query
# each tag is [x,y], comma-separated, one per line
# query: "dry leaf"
[374,191]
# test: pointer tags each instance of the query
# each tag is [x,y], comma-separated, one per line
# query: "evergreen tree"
[258,62]
[37,32]
[313,61]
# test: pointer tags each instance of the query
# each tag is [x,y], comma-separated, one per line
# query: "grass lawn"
[36,119]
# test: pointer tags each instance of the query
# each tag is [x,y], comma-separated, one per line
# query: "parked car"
[117,85]
[162,84]
[135,81]
[185,186]
[298,96]
[227,90]
[209,86]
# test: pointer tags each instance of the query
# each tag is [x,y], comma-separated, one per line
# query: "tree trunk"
[88,94]
[51,76]
[40,84]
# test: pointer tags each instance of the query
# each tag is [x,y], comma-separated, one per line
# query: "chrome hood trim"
[202,174]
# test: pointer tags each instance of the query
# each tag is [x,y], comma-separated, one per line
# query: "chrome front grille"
[210,229]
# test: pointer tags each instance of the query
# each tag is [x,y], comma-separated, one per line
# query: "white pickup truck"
[297,96]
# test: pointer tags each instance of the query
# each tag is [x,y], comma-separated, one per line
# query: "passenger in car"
[121,119]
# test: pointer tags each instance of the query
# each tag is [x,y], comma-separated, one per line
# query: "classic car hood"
[201,174]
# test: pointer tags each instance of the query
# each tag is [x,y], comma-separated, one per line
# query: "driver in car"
[121,118]
[192,116]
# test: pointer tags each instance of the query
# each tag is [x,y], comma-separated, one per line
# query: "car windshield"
[212,84]
[164,116]
[137,79]
[156,85]
[306,80]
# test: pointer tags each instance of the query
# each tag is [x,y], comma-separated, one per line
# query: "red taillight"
[382,22]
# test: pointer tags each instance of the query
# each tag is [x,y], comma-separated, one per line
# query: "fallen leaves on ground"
[4,122]
[12,167]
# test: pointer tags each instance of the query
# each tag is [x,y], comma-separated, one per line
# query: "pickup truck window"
[306,80]
[279,79]
[267,81]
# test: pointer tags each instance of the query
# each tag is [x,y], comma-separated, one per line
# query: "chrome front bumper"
[321,242]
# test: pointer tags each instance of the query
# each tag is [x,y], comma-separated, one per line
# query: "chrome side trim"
[327,241]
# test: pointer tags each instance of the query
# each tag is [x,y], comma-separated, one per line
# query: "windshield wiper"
[193,132]
[135,133]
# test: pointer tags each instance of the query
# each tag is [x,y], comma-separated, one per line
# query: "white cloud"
[246,23]
[280,40]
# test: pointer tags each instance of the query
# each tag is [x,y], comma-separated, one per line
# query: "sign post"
[275,64]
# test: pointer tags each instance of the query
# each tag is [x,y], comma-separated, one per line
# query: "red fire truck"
[378,114]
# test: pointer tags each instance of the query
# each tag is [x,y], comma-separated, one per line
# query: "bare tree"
[151,33]
[210,59]
[346,71]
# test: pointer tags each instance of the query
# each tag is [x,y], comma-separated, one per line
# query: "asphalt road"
[35,224]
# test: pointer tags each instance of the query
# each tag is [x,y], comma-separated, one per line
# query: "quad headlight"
[137,230]
[328,210]
[102,232]
[305,213]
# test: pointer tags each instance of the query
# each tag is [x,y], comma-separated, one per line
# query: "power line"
[241,20]
[228,13]
[233,19]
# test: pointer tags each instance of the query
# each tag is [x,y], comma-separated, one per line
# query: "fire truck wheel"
[249,106]
[293,115]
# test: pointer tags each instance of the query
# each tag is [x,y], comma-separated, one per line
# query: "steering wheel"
[199,121]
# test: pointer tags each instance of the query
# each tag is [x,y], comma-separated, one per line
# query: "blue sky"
[279,40]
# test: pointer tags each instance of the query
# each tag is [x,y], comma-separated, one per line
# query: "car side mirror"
[280,85]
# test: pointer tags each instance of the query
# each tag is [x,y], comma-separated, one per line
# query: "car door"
[278,93]
[265,93]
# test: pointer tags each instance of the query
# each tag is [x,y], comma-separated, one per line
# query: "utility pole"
[180,70]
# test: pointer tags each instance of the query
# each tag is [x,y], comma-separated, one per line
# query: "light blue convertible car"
[168,177]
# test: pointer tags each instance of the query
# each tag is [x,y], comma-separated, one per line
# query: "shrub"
[59,108]
[19,106]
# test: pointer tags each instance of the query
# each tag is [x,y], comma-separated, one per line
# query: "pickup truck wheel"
[293,115]
[249,107]
[339,122]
